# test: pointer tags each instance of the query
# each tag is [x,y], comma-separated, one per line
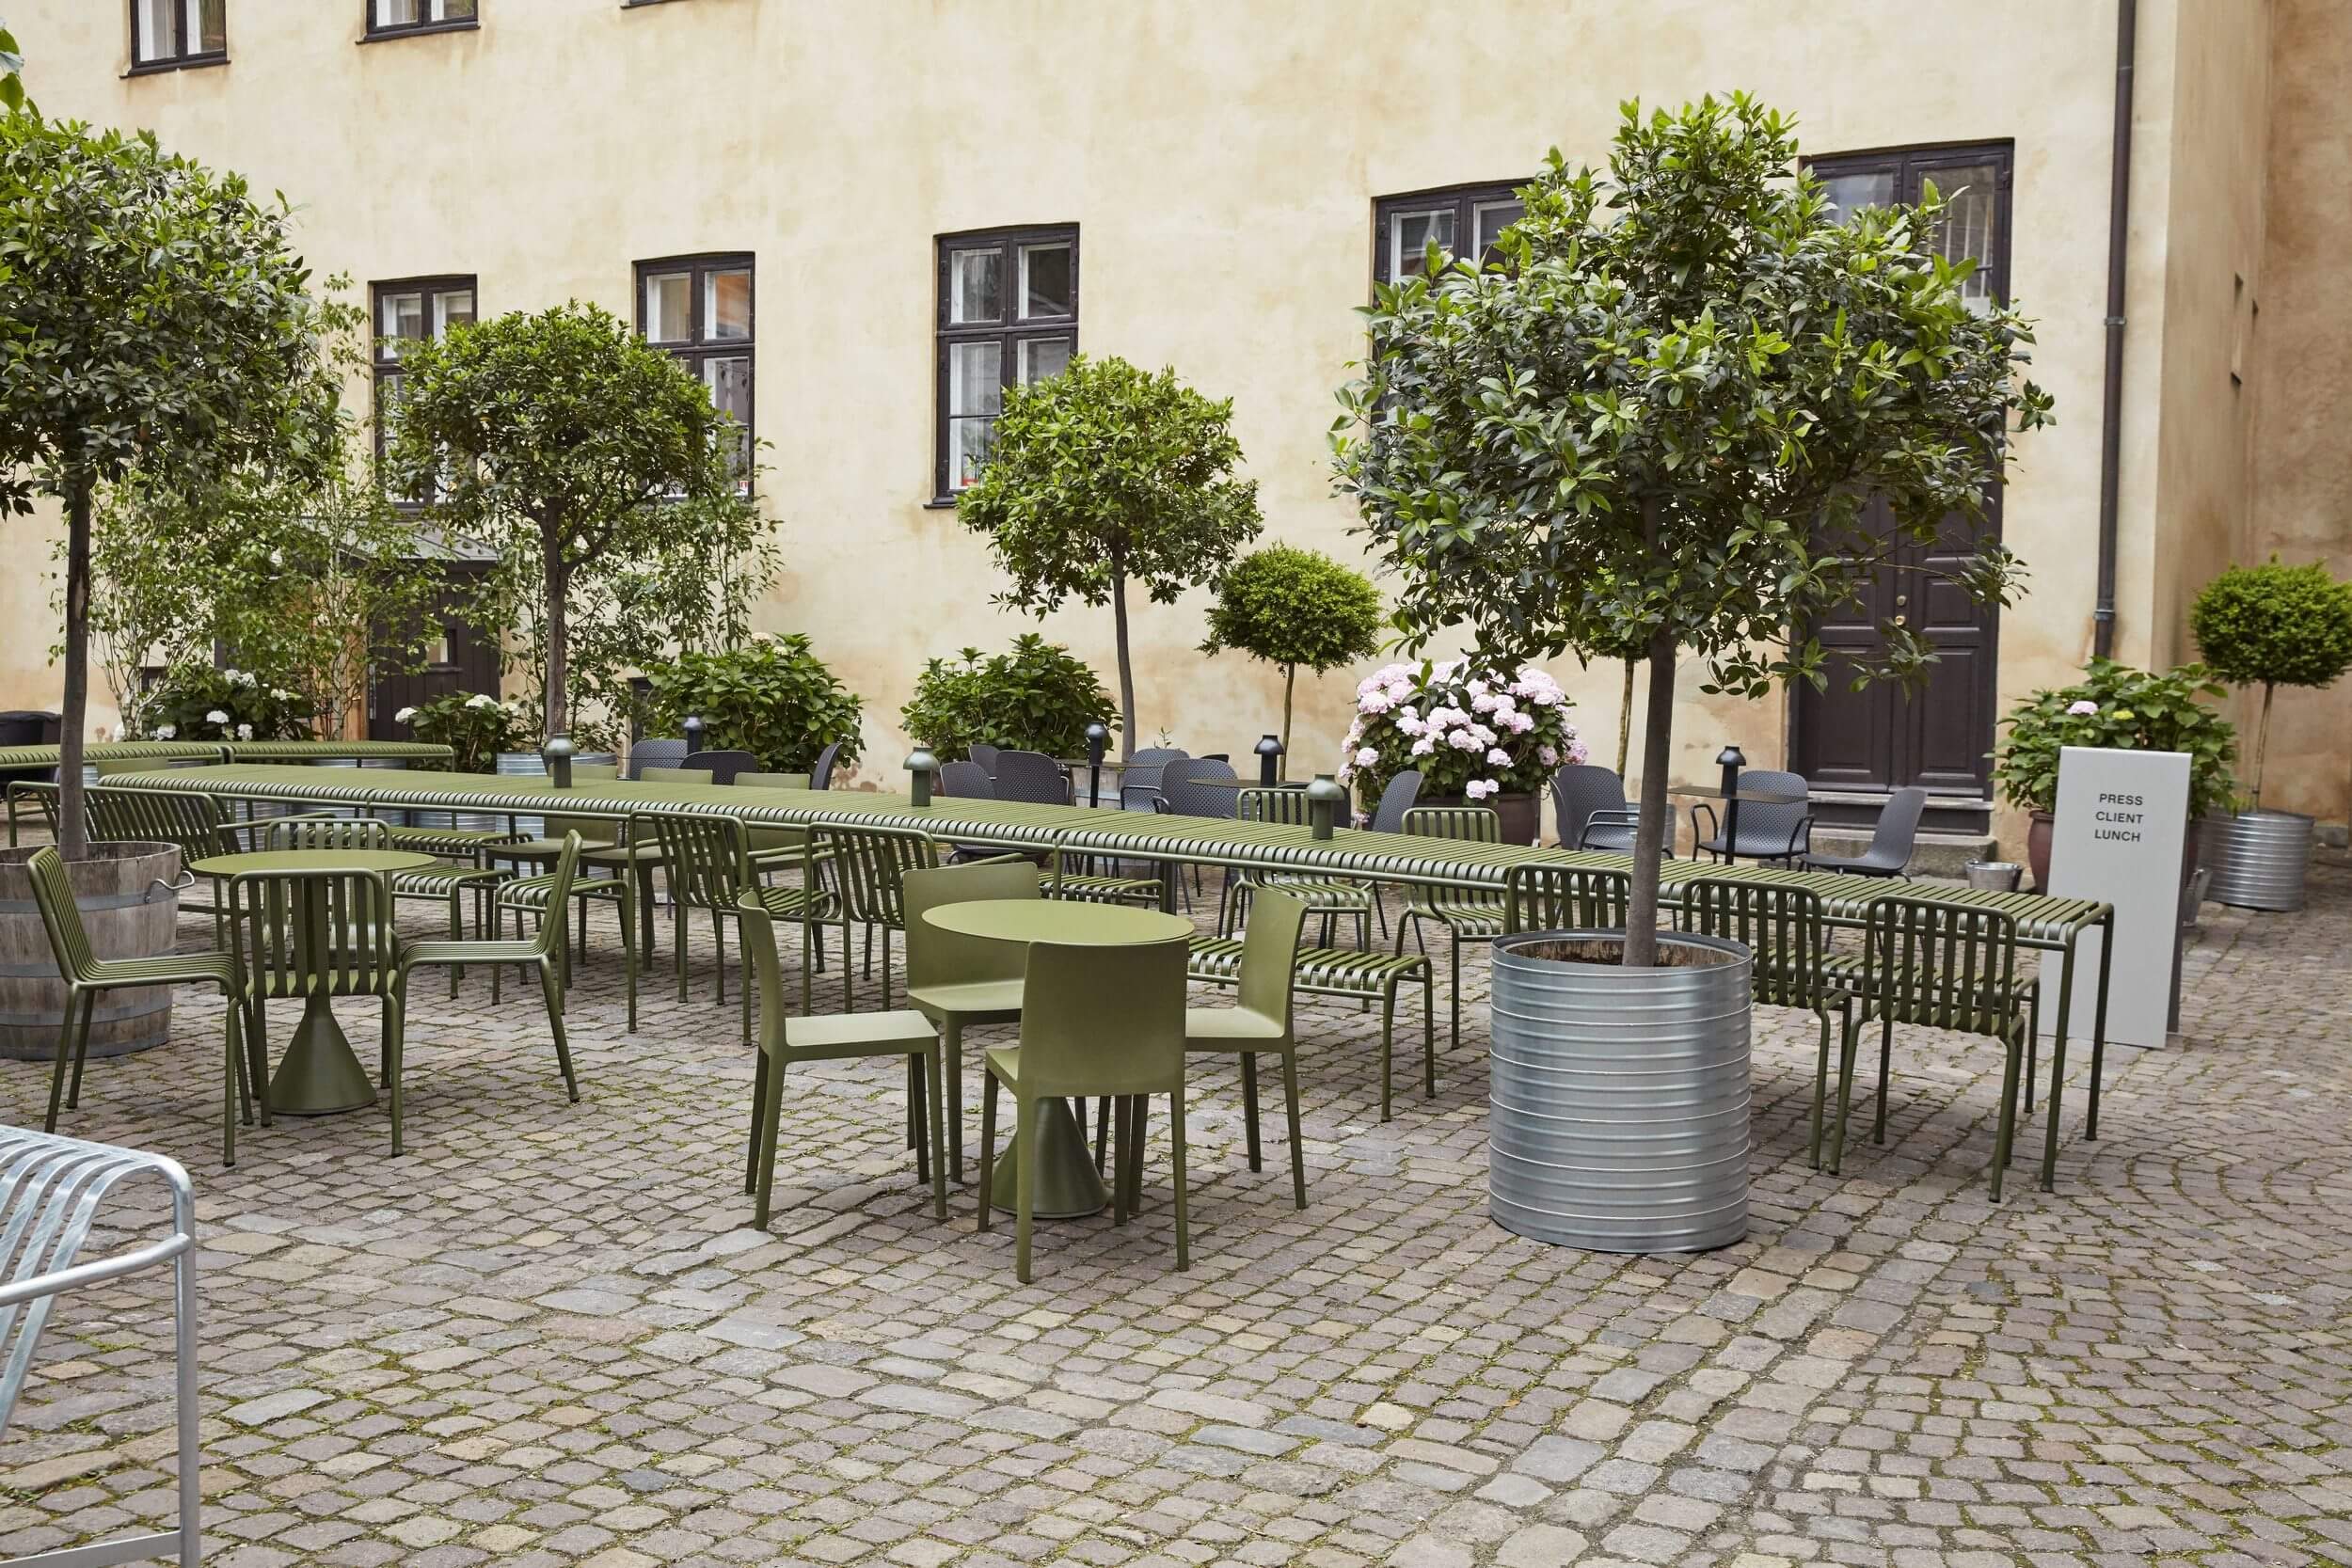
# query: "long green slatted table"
[2044,924]
[163,752]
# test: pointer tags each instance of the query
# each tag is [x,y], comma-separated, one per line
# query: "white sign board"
[2123,821]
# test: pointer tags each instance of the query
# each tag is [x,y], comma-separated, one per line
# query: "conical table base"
[1068,1187]
[320,1074]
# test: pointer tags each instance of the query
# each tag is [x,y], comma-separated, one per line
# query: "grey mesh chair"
[1401,794]
[1891,842]
[1187,799]
[724,766]
[654,754]
[1031,776]
[1767,831]
[966,781]
[985,756]
[1593,813]
[1145,776]
[821,776]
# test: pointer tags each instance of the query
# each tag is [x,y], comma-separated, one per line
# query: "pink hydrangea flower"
[2081,708]
[1375,701]
[1519,723]
[1549,757]
[1577,753]
[1425,744]
[1366,757]
[1497,758]
[1463,740]
[1479,789]
[1408,726]
[1484,701]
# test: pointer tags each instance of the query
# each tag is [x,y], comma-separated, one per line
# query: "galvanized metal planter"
[2258,859]
[1619,1119]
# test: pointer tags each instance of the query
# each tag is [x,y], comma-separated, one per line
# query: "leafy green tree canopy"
[1655,421]
[1294,608]
[1106,475]
[2274,625]
[152,313]
[565,446]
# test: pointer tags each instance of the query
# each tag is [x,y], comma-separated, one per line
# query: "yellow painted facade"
[1221,159]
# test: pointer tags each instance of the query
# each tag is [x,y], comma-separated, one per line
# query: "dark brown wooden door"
[458,659]
[1885,737]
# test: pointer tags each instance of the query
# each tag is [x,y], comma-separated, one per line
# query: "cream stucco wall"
[1221,158]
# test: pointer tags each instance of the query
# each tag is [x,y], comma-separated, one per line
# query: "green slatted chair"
[351,914]
[438,884]
[1344,972]
[841,1036]
[1260,1021]
[1942,966]
[1094,1020]
[1327,897]
[32,798]
[542,952]
[870,867]
[1786,930]
[193,823]
[1467,916]
[708,868]
[534,894]
[961,982]
[775,848]
[86,977]
[1549,897]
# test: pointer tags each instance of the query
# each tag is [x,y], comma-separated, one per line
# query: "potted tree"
[2269,625]
[1291,608]
[1658,419]
[1107,475]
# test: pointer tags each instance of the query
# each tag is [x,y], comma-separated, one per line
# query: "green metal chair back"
[68,938]
[348,949]
[351,833]
[871,865]
[44,795]
[1463,824]
[1269,955]
[1943,966]
[595,833]
[1286,806]
[1103,1020]
[1782,926]
[937,958]
[772,780]
[677,776]
[559,895]
[764,838]
[190,821]
[703,857]
[1543,897]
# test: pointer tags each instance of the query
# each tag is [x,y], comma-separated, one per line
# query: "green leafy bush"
[1038,697]
[475,727]
[770,696]
[1292,607]
[2117,707]
[2274,625]
[196,702]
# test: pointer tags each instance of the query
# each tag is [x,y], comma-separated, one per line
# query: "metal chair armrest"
[1710,831]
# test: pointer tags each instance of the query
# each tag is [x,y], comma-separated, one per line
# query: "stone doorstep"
[1932,854]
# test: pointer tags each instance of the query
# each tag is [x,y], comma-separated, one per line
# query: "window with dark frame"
[412,311]
[1404,226]
[1007,316]
[386,18]
[700,309]
[167,34]
[1974,181]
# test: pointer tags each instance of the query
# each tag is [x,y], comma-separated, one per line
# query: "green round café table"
[1068,1185]
[320,1075]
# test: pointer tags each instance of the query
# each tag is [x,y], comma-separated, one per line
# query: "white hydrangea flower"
[215,716]
[1497,758]
[1425,744]
[403,716]
[1366,757]
[1546,755]
[1577,753]
[482,700]
[165,731]
[245,732]
[1479,789]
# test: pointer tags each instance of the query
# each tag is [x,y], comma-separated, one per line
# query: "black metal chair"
[654,754]
[1891,842]
[724,766]
[1766,831]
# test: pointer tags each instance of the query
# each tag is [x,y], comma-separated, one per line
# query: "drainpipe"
[2111,413]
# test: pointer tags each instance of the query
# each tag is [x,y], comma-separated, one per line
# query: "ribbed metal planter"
[2259,859]
[1619,1119]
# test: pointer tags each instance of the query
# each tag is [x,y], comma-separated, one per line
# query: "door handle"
[1901,599]
[1902,619]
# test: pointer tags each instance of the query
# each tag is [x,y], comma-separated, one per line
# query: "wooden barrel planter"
[127,915]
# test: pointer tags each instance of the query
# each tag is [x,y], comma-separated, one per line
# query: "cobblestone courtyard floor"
[547,1336]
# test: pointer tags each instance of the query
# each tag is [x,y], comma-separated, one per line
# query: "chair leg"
[393,1054]
[1139,1122]
[938,1134]
[988,1147]
[1118,1130]
[1176,1158]
[456,933]
[1249,1105]
[719,945]
[1845,1094]
[1031,1165]
[628,946]
[497,972]
[1388,1035]
[81,1048]
[770,1113]
[2015,1050]
[677,943]
[1428,1034]
[951,1044]
[231,1087]
[1290,1110]
[759,1100]
[1886,1062]
[1821,1083]
[1102,1128]
[75,1000]
[554,989]
[919,1118]
[886,945]
[257,1047]
[1454,999]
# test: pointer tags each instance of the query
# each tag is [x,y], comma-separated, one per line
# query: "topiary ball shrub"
[1291,608]
[1038,697]
[770,696]
[2274,625]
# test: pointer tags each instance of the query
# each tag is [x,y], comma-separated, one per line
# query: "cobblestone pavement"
[546,1335]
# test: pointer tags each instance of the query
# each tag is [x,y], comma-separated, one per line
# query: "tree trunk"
[1641,937]
[73,837]
[1625,716]
[555,712]
[1126,669]
[2261,740]
[1290,679]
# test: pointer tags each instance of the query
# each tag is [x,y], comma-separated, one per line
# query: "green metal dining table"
[2055,925]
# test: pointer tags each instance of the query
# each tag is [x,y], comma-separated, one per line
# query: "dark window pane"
[1972,196]
[1409,237]
[1493,217]
[968,441]
[975,287]
[1850,193]
[1045,280]
[976,377]
[1043,359]
[669,307]
[211,26]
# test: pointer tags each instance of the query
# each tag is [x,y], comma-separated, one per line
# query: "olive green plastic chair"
[708,868]
[1466,915]
[87,978]
[348,950]
[1786,931]
[1094,1020]
[1260,1023]
[441,884]
[1328,897]
[1942,966]
[785,1039]
[542,952]
[961,982]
